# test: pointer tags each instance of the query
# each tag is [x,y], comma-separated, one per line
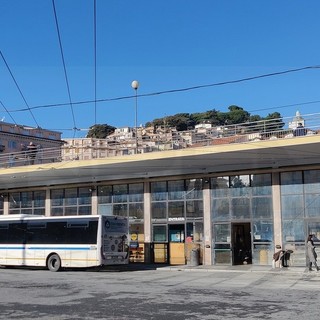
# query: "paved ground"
[160,292]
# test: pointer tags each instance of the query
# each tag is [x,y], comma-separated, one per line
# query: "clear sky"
[165,45]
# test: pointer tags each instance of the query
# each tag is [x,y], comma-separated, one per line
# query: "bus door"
[176,244]
[241,243]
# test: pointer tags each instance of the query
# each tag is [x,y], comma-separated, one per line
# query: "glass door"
[222,243]
[176,244]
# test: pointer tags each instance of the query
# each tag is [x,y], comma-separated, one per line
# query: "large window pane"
[312,181]
[70,211]
[194,209]
[57,197]
[39,198]
[84,196]
[176,190]
[158,191]
[120,210]
[262,254]
[26,199]
[159,210]
[312,205]
[176,209]
[120,193]
[262,231]
[71,196]
[261,184]
[198,232]
[194,189]
[292,206]
[262,207]
[221,233]
[291,182]
[105,194]
[85,210]
[14,200]
[240,185]
[136,192]
[240,208]
[293,231]
[159,233]
[220,209]
[136,211]
[220,187]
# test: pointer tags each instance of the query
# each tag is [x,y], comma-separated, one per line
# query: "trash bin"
[194,257]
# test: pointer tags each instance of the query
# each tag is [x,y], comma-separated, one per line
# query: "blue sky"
[165,45]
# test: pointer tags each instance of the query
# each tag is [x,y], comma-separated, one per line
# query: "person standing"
[311,253]
[300,130]
[32,152]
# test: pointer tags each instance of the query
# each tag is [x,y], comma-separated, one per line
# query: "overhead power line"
[63,62]
[95,58]
[4,107]
[16,83]
[173,90]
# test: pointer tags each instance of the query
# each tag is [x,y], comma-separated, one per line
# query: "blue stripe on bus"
[44,248]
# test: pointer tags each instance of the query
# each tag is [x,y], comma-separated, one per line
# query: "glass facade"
[176,218]
[300,206]
[71,201]
[246,202]
[178,200]
[241,213]
[27,202]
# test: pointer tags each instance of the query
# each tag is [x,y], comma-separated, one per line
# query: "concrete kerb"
[213,268]
[240,269]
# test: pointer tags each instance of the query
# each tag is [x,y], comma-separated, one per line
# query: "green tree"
[274,121]
[100,131]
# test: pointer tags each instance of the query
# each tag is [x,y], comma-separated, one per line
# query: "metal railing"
[168,140]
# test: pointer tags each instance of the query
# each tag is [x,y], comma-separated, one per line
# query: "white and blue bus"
[63,242]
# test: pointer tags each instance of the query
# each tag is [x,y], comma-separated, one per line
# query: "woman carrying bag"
[311,253]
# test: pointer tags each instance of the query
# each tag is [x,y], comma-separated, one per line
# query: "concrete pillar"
[48,203]
[207,225]
[276,200]
[148,249]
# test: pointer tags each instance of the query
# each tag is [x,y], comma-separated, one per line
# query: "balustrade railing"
[281,128]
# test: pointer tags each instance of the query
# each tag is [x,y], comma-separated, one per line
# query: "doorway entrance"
[241,243]
[176,244]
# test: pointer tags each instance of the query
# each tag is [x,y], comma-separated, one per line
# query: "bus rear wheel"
[54,263]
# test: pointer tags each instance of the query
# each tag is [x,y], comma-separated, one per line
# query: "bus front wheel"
[54,263]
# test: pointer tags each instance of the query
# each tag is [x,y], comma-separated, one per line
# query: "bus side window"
[17,233]
[4,233]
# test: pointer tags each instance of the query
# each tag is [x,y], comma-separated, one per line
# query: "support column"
[148,249]
[276,200]
[94,202]
[207,225]
[48,203]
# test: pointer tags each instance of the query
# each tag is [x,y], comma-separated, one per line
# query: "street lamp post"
[135,86]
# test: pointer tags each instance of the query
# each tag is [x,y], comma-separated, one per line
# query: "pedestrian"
[300,130]
[311,253]
[32,152]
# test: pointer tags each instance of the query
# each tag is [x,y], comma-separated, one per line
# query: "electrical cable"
[16,83]
[64,64]
[173,90]
[95,58]
[4,107]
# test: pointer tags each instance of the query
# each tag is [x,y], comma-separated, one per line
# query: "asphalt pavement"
[212,268]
